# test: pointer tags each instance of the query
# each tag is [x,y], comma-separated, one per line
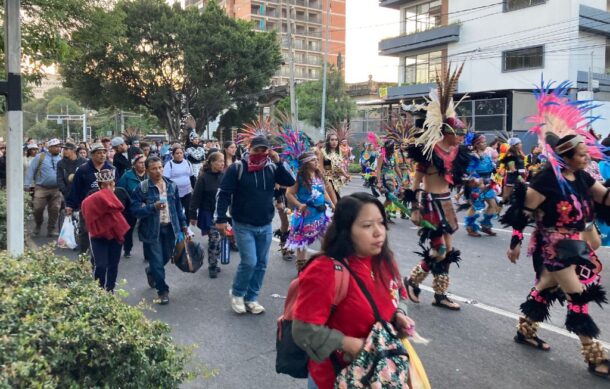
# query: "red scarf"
[103,216]
[256,162]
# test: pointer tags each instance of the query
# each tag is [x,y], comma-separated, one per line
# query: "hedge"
[58,329]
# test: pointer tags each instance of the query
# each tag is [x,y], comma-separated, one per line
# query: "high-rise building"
[309,29]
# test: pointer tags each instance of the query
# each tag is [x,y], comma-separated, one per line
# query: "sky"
[366,24]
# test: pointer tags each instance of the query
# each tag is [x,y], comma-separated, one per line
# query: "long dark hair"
[225,146]
[302,174]
[337,242]
[327,143]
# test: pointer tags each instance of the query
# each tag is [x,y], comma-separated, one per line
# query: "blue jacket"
[143,207]
[129,181]
[47,175]
[251,195]
[84,181]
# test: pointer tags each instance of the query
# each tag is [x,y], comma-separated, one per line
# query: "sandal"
[442,301]
[605,375]
[413,291]
[522,339]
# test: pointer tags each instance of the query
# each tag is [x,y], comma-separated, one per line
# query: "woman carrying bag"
[203,204]
[374,307]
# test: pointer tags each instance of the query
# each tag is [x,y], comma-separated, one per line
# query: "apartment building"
[309,33]
[505,46]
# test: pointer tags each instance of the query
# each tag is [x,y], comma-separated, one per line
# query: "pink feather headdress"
[558,115]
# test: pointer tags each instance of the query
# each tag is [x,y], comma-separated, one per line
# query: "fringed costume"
[447,163]
[556,242]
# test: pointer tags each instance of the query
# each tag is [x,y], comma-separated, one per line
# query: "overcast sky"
[366,24]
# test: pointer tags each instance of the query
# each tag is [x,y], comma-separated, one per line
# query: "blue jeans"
[158,254]
[310,383]
[253,243]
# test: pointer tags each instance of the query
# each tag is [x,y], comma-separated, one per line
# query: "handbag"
[383,363]
[188,255]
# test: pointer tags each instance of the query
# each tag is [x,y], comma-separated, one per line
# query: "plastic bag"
[67,235]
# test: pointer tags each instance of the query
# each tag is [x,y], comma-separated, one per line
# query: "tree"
[169,60]
[339,106]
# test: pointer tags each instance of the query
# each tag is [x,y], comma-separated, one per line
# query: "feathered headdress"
[440,111]
[342,132]
[264,127]
[296,144]
[559,116]
[400,129]
[131,134]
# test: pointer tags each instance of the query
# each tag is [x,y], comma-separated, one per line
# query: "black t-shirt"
[570,210]
[519,163]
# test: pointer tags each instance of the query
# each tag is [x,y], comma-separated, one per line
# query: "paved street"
[472,348]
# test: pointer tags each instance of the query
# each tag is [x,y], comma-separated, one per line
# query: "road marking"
[491,309]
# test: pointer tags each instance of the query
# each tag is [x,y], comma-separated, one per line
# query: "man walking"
[120,160]
[156,202]
[41,177]
[84,181]
[66,168]
[248,187]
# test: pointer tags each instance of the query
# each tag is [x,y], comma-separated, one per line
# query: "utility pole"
[68,123]
[323,116]
[293,96]
[11,88]
[84,125]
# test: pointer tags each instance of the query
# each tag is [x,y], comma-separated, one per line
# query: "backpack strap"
[40,161]
[240,170]
[341,283]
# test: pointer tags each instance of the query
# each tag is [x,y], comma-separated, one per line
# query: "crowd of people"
[423,164]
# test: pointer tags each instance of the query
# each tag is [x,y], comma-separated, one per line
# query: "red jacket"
[103,216]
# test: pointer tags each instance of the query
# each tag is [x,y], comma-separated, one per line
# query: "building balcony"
[409,91]
[404,44]
[394,4]
[594,20]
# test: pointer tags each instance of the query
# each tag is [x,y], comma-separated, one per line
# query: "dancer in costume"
[194,152]
[558,200]
[514,164]
[441,163]
[309,198]
[389,177]
[368,161]
[481,193]
[334,174]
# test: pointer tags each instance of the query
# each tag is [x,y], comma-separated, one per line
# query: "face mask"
[256,162]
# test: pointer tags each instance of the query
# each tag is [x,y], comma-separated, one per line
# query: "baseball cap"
[69,146]
[259,141]
[31,146]
[117,141]
[97,147]
[53,142]
[514,141]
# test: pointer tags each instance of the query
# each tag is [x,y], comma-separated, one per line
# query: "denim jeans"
[253,243]
[158,254]
[310,383]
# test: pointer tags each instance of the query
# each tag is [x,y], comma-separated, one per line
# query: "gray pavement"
[472,348]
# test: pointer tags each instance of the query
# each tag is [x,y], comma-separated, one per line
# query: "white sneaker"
[237,303]
[254,308]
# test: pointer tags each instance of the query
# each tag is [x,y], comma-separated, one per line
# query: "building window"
[422,17]
[522,59]
[511,5]
[422,68]
[486,115]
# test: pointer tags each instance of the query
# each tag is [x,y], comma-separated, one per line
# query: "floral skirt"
[306,229]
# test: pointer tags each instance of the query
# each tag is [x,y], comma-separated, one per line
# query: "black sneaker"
[214,271]
[149,278]
[164,298]
[127,254]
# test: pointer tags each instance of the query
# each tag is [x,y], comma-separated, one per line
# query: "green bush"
[355,168]
[58,329]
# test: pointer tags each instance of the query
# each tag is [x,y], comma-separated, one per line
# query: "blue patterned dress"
[307,227]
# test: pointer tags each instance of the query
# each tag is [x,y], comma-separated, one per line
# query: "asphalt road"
[472,348]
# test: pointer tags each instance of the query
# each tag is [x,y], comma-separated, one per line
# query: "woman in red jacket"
[107,227]
[358,234]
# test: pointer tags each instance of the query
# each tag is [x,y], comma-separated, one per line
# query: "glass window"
[511,5]
[422,17]
[521,59]
[422,69]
